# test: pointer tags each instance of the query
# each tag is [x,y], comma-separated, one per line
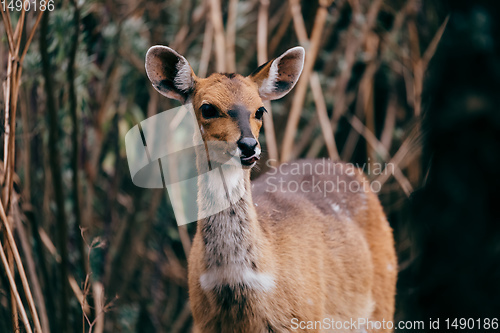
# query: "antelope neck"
[232,238]
[227,234]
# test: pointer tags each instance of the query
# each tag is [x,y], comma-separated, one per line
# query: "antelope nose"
[247,146]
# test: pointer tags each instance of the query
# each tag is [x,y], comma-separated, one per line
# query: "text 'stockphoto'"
[249,166]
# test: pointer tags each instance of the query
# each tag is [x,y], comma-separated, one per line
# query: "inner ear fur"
[170,73]
[277,77]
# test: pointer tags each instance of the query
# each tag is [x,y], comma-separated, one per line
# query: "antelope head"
[229,107]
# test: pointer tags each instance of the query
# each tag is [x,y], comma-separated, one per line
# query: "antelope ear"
[170,73]
[277,77]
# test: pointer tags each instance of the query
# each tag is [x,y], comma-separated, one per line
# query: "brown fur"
[340,264]
[224,93]
[330,255]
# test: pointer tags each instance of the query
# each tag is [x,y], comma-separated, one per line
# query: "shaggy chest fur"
[234,278]
[230,239]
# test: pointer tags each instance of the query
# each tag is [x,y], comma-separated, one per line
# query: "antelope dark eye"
[260,113]
[208,111]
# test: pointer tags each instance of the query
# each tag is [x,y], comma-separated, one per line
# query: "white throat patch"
[236,275]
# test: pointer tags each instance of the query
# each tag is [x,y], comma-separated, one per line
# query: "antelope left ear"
[170,73]
[277,77]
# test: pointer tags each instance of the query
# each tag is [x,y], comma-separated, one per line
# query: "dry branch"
[220,42]
[262,32]
[282,29]
[380,149]
[45,239]
[17,258]
[31,267]
[206,50]
[231,36]
[55,166]
[11,92]
[300,91]
[324,122]
[13,288]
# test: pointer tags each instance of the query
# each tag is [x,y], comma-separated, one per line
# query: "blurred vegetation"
[101,254]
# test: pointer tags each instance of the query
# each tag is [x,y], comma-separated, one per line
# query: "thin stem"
[30,38]
[13,288]
[8,29]
[231,36]
[206,50]
[324,122]
[17,258]
[220,47]
[301,88]
[54,160]
[75,160]
[262,27]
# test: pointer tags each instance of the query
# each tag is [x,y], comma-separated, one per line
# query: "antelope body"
[275,259]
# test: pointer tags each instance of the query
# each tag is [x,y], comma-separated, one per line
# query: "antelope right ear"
[276,78]
[170,73]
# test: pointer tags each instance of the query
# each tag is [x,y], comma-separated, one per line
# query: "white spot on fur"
[217,190]
[214,199]
[310,301]
[233,177]
[390,267]
[183,80]
[235,182]
[234,275]
[335,207]
[370,307]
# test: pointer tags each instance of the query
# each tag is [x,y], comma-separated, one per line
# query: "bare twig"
[220,43]
[20,267]
[13,288]
[380,149]
[79,295]
[305,138]
[420,63]
[19,30]
[231,36]
[353,137]
[350,58]
[75,142]
[324,122]
[282,29]
[409,149]
[31,267]
[30,38]
[8,29]
[301,88]
[182,318]
[390,122]
[431,49]
[206,50]
[11,91]
[272,145]
[55,167]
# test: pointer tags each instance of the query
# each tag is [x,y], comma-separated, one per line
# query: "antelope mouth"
[249,161]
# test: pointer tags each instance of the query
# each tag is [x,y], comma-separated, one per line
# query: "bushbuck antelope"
[277,261]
